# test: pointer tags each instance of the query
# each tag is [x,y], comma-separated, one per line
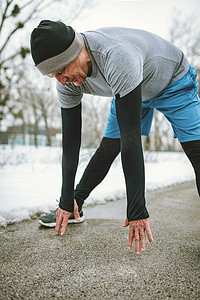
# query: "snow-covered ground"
[30,179]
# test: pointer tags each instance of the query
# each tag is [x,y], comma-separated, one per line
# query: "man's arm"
[71,140]
[128,109]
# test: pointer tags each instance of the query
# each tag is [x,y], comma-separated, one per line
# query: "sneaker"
[49,220]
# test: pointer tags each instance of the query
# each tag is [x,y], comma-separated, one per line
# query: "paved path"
[91,260]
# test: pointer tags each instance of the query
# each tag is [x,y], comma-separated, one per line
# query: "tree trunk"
[36,133]
[48,133]
[147,143]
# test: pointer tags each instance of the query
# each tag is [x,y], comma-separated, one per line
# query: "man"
[139,69]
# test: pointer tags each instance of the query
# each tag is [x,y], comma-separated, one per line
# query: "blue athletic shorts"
[179,103]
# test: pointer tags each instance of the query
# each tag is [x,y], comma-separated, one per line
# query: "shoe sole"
[74,221]
[53,225]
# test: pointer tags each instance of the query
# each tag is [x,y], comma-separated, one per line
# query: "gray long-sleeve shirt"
[122,58]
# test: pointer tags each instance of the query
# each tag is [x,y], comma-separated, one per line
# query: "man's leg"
[94,173]
[180,104]
[101,161]
[97,168]
[192,150]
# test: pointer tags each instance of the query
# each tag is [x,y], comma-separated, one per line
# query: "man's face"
[76,72]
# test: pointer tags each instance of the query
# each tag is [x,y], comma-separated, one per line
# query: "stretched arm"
[128,109]
[71,139]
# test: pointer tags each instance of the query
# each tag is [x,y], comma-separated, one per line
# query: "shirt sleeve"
[128,109]
[69,95]
[123,69]
[71,141]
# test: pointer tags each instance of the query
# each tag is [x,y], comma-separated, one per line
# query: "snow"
[30,179]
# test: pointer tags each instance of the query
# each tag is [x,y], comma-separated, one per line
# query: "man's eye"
[60,72]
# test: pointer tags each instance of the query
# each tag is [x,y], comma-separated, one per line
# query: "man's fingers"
[142,239]
[58,221]
[149,234]
[62,217]
[76,213]
[126,223]
[64,224]
[58,228]
[138,230]
[137,241]
[130,237]
[77,216]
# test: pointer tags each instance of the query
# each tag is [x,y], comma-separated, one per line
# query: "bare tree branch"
[13,17]
[39,6]
[9,58]
[4,17]
[19,26]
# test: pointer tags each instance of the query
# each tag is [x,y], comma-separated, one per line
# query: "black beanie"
[54,45]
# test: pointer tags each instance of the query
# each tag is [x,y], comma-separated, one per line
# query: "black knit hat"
[54,45]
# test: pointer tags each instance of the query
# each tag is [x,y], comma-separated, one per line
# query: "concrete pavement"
[91,260]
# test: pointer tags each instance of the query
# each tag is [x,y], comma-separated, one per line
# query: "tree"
[95,113]
[185,34]
[49,111]
[38,106]
[17,16]
[14,18]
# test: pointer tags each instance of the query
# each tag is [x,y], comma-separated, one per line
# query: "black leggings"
[103,158]
[192,150]
[97,168]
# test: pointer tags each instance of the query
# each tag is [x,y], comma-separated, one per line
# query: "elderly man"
[142,71]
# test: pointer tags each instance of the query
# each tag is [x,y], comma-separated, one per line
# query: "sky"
[151,15]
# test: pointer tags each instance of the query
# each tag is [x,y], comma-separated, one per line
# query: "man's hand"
[137,230]
[62,217]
